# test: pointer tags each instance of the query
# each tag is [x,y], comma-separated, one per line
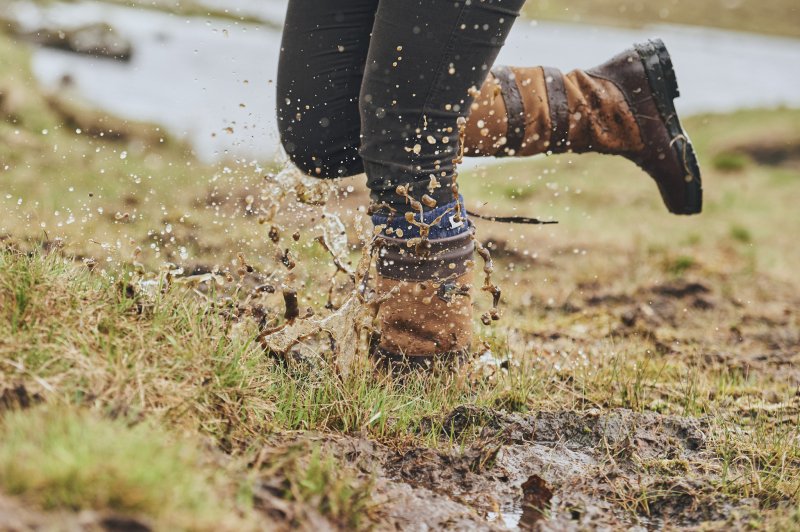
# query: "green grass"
[174,359]
[315,477]
[60,458]
[72,318]
[778,17]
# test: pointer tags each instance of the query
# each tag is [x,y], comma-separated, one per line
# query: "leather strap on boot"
[559,110]
[510,115]
[515,109]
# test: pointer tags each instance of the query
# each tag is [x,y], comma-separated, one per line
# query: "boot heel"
[660,74]
[666,67]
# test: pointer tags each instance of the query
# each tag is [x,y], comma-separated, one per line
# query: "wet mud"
[559,470]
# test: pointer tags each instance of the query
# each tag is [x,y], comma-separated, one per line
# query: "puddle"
[227,69]
[516,516]
[510,517]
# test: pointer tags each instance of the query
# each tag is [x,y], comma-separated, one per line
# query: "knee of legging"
[320,155]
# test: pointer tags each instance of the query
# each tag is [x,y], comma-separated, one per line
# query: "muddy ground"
[620,460]
[595,465]
[600,467]
[551,471]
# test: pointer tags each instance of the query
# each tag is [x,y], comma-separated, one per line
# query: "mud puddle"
[559,470]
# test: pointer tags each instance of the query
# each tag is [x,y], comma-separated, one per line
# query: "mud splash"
[350,327]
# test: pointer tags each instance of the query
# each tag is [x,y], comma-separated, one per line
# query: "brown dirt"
[581,466]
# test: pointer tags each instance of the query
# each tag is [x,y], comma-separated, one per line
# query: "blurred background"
[204,68]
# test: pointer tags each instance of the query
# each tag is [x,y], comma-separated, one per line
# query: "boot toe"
[674,164]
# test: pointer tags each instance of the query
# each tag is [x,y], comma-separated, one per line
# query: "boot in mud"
[623,107]
[426,322]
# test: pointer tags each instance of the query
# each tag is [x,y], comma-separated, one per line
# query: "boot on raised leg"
[623,107]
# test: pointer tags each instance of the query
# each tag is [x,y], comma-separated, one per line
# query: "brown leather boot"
[623,107]
[427,319]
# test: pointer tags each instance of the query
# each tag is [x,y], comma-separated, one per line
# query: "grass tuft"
[314,477]
[61,458]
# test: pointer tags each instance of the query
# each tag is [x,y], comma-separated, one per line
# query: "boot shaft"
[528,111]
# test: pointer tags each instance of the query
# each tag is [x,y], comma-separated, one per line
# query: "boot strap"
[444,259]
[525,220]
[559,109]
[515,110]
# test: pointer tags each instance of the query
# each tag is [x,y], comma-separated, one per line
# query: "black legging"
[376,86]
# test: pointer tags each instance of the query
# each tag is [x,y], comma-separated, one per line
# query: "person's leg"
[323,51]
[424,57]
[623,107]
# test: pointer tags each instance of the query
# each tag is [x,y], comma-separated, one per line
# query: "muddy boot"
[426,322]
[623,107]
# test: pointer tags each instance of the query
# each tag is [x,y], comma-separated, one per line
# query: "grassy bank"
[776,17]
[772,17]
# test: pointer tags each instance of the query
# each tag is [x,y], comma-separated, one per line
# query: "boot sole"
[399,365]
[664,86]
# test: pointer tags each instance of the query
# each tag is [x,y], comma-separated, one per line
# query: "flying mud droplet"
[428,201]
[274,234]
[433,184]
[287,260]
[292,311]
[244,267]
